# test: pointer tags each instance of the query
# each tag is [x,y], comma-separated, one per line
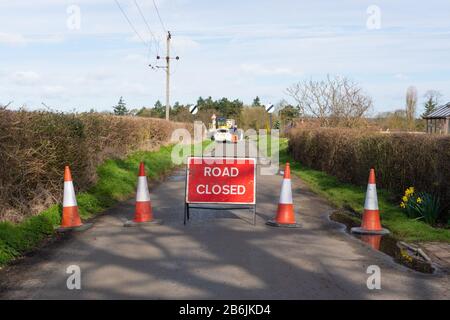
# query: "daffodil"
[402,205]
[409,191]
[419,200]
[405,198]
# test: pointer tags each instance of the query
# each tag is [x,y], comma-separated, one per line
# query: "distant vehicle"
[223,123]
[222,135]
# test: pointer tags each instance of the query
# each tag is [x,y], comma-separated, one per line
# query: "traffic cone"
[285,214]
[371,216]
[143,210]
[70,218]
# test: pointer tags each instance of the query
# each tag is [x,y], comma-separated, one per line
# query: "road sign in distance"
[193,109]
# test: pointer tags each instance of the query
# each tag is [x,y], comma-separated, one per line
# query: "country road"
[217,255]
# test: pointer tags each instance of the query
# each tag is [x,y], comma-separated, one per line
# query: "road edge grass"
[116,182]
[351,197]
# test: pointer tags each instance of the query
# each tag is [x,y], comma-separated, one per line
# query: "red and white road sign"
[221,180]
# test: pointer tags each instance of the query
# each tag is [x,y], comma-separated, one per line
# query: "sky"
[237,49]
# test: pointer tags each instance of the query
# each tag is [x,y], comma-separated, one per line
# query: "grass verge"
[348,196]
[116,182]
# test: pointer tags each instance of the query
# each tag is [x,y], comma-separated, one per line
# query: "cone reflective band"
[285,214]
[371,217]
[70,218]
[143,209]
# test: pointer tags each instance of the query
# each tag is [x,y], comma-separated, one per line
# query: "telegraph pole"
[169,36]
[167,67]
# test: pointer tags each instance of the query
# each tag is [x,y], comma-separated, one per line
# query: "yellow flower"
[419,200]
[405,198]
[409,191]
[402,205]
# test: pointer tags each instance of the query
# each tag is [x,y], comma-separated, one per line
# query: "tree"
[159,110]
[411,104]
[253,118]
[222,107]
[392,120]
[256,102]
[120,109]
[334,101]
[432,101]
[144,112]
[181,112]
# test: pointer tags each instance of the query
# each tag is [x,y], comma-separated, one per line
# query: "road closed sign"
[221,180]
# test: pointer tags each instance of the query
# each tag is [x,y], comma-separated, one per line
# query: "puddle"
[387,244]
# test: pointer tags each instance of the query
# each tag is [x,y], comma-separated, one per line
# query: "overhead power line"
[159,16]
[148,27]
[131,24]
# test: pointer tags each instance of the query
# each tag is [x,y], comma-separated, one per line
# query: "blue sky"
[237,49]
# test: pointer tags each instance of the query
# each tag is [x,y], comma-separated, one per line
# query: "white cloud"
[95,77]
[260,70]
[401,76]
[135,57]
[255,49]
[183,43]
[20,39]
[12,38]
[53,90]
[25,78]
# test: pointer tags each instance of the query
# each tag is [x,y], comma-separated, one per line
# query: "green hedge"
[35,147]
[116,182]
[400,160]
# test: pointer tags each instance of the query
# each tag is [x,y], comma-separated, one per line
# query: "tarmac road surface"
[217,255]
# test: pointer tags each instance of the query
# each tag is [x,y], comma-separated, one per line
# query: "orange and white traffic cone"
[70,218]
[371,216]
[143,210]
[285,214]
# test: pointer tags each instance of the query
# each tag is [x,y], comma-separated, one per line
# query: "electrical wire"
[159,16]
[148,27]
[129,22]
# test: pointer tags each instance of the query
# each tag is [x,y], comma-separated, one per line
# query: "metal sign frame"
[243,205]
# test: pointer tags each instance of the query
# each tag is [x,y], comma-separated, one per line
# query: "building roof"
[440,112]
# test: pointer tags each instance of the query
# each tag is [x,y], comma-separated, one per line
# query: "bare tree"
[334,101]
[411,105]
[5,106]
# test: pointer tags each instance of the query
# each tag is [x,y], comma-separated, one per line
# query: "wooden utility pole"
[167,67]
[169,36]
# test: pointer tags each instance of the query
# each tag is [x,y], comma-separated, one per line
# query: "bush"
[35,147]
[400,160]
[421,205]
